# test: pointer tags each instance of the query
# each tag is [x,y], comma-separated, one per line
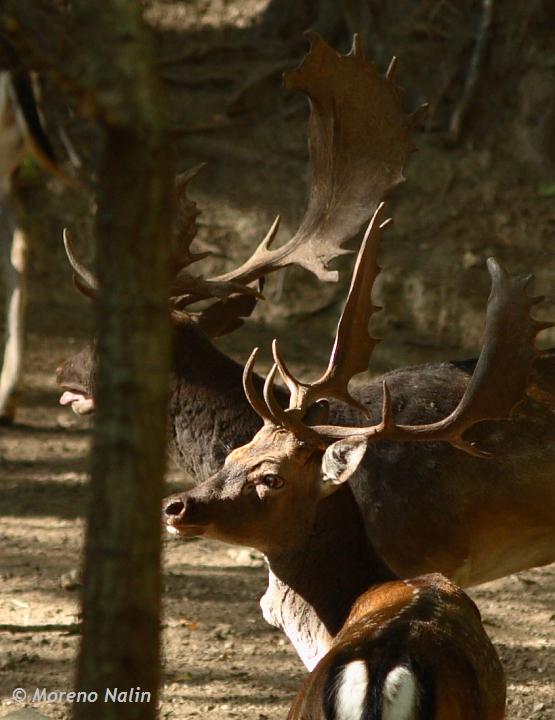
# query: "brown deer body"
[478,521]
[429,507]
[208,411]
[321,566]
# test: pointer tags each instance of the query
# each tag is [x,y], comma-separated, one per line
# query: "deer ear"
[340,461]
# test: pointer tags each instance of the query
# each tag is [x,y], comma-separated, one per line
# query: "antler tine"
[182,179]
[357,47]
[359,142]
[227,314]
[387,422]
[392,69]
[200,289]
[498,383]
[353,345]
[297,389]
[251,393]
[84,279]
[262,261]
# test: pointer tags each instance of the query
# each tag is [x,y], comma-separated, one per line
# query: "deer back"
[430,507]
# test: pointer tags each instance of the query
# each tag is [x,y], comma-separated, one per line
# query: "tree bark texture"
[108,66]
[120,645]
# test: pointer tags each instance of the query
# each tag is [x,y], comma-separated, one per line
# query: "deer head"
[267,493]
[359,141]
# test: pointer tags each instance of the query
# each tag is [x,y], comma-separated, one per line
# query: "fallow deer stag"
[21,133]
[359,140]
[292,491]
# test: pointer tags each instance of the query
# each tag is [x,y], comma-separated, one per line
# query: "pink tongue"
[68,397]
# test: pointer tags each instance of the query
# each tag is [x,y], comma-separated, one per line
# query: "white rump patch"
[352,684]
[400,694]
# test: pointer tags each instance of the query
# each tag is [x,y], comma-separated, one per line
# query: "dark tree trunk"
[108,65]
[120,645]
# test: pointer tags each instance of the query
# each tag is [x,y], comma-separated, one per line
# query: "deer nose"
[179,508]
[174,508]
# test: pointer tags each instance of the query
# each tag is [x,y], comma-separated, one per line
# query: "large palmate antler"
[496,387]
[187,288]
[359,142]
[185,226]
[234,300]
[184,231]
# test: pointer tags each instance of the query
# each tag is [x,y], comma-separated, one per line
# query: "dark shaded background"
[491,193]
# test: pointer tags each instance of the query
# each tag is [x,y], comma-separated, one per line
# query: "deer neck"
[312,589]
[208,412]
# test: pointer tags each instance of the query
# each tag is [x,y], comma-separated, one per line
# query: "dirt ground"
[221,660]
[490,194]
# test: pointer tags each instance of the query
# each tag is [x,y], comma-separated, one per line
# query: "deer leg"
[13,249]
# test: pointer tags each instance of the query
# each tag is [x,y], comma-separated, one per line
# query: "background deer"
[287,493]
[359,140]
[21,134]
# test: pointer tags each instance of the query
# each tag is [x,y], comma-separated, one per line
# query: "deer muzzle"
[81,403]
[76,376]
[178,515]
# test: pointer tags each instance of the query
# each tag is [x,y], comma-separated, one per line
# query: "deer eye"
[271,480]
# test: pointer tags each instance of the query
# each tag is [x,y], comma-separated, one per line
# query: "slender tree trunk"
[108,65]
[120,647]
